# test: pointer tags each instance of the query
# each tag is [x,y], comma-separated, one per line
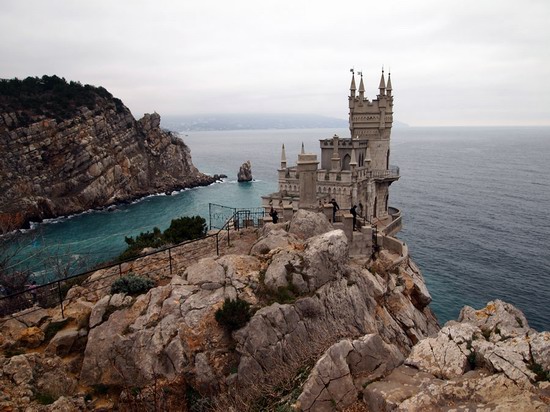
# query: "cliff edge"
[67,148]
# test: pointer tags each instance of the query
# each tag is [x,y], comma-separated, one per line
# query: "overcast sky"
[463,62]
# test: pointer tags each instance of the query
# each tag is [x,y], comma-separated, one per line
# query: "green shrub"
[542,375]
[185,228]
[234,314]
[132,285]
[180,230]
[45,398]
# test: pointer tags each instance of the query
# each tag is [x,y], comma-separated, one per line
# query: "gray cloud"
[452,62]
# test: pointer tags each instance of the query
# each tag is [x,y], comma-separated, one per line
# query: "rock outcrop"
[377,343]
[245,172]
[489,360]
[306,292]
[78,157]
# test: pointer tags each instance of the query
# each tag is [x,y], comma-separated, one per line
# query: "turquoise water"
[475,200]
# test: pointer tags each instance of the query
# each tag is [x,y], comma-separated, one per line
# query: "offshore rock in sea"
[245,172]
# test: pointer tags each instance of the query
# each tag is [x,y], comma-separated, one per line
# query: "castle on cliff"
[353,171]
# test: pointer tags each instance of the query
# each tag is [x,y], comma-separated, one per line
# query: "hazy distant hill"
[250,121]
[254,121]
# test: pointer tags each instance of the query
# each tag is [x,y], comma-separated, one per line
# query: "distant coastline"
[223,122]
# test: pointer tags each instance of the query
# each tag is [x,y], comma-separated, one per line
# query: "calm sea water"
[476,205]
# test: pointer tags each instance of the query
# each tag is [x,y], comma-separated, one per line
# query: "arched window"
[345,162]
[388,159]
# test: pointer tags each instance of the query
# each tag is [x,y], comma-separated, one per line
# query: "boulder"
[326,258]
[62,343]
[306,224]
[272,239]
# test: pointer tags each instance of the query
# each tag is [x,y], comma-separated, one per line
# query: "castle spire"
[388,87]
[361,87]
[382,85]
[283,158]
[352,87]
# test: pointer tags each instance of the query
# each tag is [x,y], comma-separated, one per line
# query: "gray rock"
[306,224]
[245,172]
[19,369]
[445,356]
[497,314]
[272,239]
[62,343]
[325,258]
[340,373]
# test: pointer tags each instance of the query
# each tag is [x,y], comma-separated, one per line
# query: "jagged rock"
[52,377]
[64,404]
[484,362]
[281,270]
[540,349]
[306,224]
[245,172]
[163,329]
[93,159]
[345,367]
[325,258]
[445,356]
[272,239]
[19,369]
[496,315]
[32,337]
[62,343]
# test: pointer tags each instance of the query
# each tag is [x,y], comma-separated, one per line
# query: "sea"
[475,200]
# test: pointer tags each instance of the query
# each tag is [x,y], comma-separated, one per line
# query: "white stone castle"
[353,171]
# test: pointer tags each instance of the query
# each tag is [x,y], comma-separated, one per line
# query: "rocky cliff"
[327,332]
[66,148]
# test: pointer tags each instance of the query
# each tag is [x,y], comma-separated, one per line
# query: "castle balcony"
[390,224]
[391,174]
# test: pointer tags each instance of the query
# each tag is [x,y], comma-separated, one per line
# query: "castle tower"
[307,172]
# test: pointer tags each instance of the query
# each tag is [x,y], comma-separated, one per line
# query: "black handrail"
[20,298]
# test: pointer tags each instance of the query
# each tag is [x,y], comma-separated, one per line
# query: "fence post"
[217,245]
[60,299]
[170,259]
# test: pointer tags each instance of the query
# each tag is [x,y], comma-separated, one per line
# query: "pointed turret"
[361,88]
[388,87]
[382,85]
[283,158]
[352,87]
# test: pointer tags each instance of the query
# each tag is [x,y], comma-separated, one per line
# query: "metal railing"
[158,264]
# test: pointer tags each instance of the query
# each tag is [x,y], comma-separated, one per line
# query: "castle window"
[345,162]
